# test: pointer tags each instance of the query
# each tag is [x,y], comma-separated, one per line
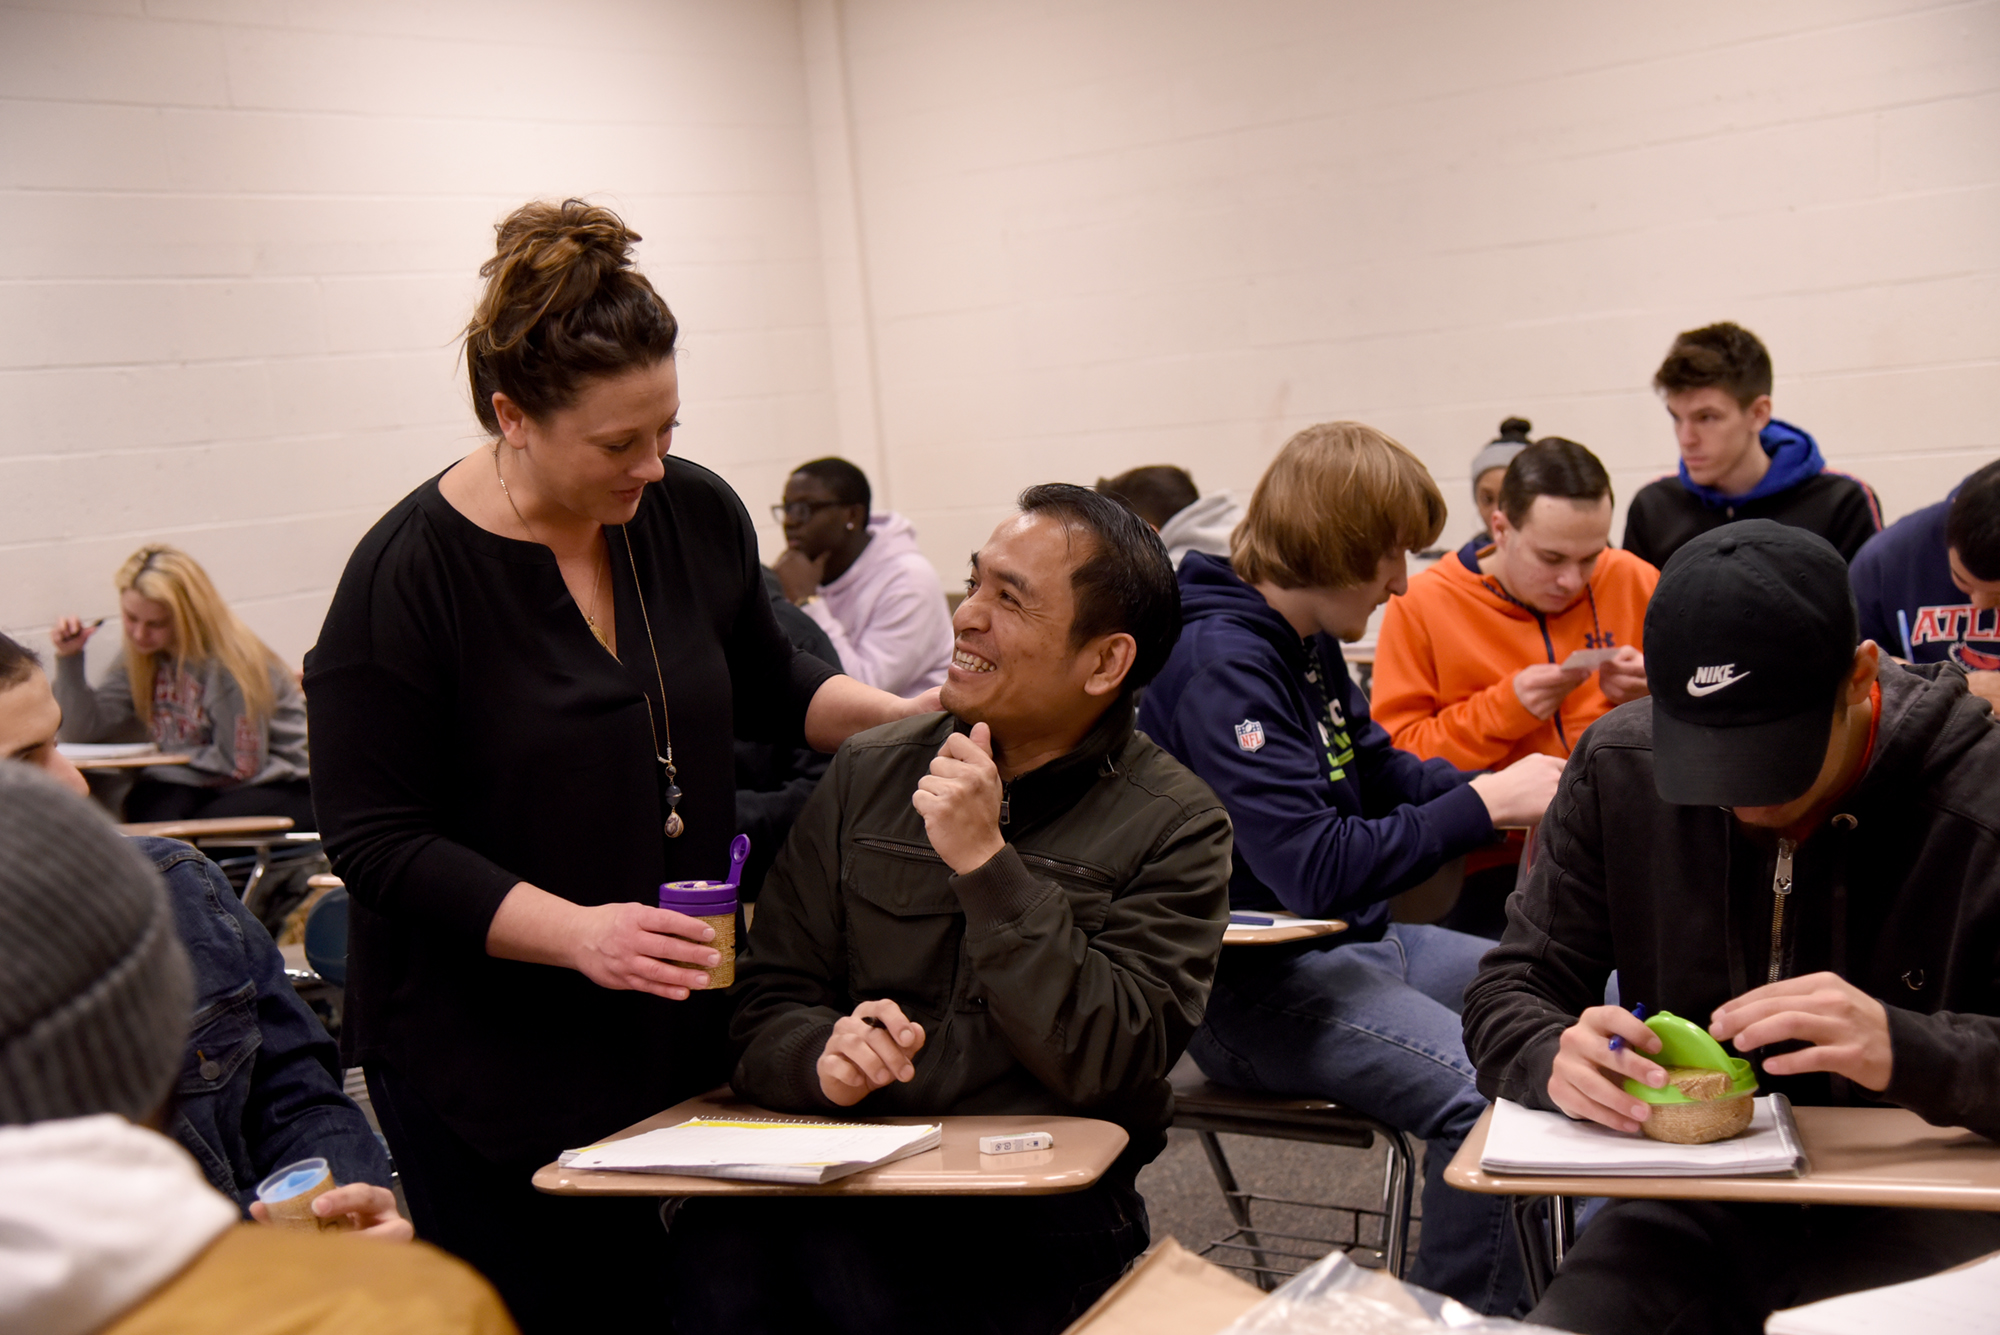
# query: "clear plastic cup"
[289,1193]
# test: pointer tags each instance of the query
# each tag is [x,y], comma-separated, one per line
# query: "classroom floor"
[1185,1203]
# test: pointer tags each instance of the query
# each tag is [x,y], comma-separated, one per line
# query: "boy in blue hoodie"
[1928,586]
[1332,821]
[1737,461]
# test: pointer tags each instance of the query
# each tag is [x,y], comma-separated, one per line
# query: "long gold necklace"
[596,567]
[674,824]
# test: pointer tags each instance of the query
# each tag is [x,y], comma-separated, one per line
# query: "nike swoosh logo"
[1714,686]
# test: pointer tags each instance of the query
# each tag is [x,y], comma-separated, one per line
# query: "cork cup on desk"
[714,902]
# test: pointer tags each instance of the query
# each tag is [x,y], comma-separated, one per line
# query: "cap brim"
[1757,765]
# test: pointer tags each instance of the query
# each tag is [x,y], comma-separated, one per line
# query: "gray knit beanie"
[95,989]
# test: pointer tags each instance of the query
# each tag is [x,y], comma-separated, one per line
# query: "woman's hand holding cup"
[638,948]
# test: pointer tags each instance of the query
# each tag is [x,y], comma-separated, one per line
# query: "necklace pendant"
[675,825]
[597,631]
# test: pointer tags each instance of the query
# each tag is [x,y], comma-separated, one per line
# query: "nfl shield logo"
[1250,735]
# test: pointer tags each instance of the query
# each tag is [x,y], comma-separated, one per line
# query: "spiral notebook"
[1524,1140]
[755,1150]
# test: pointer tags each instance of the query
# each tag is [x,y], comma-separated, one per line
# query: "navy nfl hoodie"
[1331,820]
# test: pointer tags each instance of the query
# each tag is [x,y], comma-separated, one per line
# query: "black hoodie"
[1898,891]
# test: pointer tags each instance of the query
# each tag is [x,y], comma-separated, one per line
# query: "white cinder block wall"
[1103,233]
[238,239]
[970,245]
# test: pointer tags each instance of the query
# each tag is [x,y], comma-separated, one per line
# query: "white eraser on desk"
[1029,1140]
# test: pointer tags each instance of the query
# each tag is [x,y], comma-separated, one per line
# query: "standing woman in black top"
[522,704]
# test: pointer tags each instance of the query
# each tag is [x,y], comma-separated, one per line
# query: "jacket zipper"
[1781,889]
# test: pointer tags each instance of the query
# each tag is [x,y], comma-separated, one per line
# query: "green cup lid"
[1685,1043]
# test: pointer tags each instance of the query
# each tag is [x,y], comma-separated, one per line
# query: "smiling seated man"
[1796,844]
[1028,898]
[260,1080]
[1473,663]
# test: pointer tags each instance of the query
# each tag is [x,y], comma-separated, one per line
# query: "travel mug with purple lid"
[714,902]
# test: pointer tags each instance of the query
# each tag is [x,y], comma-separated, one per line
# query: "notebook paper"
[1962,1300]
[1522,1140]
[803,1153]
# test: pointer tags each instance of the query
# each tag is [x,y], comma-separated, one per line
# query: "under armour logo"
[1709,680]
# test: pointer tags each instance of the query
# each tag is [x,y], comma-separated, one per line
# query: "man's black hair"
[1126,584]
[1972,525]
[848,484]
[1157,492]
[17,660]
[1551,466]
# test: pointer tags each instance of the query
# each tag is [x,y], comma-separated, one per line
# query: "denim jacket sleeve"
[260,1084]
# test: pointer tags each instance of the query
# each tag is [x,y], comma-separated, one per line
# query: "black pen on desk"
[1638,1013]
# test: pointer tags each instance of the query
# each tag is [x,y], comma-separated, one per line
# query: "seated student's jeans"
[1708,1268]
[898,1265]
[1375,1025]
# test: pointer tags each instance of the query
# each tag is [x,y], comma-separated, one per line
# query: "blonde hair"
[204,628]
[1338,499]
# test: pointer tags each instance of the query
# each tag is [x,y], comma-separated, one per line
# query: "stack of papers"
[1521,1140]
[799,1153]
[106,750]
[1957,1300]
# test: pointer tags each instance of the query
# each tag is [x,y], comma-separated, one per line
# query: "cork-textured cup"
[714,902]
[1716,1114]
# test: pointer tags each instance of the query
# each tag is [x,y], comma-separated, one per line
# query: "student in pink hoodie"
[861,577]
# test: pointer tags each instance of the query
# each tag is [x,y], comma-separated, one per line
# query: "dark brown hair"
[17,660]
[1551,466]
[562,306]
[1156,492]
[1723,356]
[1338,499]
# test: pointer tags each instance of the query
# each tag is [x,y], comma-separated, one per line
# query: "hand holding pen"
[70,634]
[1593,1058]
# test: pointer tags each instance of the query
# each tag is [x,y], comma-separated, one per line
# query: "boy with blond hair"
[1332,821]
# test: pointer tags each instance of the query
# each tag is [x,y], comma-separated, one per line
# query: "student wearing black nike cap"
[1793,841]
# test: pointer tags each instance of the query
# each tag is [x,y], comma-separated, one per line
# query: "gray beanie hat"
[1500,451]
[95,990]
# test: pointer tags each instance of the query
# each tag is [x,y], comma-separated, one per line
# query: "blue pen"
[1638,1013]
[1903,625]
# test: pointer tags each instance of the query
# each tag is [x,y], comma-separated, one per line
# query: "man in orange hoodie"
[1501,651]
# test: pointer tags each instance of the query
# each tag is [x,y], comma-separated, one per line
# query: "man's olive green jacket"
[1064,976]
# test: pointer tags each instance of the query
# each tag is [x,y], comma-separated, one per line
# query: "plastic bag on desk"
[1337,1297]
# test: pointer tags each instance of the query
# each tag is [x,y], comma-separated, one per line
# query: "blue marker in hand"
[1638,1013]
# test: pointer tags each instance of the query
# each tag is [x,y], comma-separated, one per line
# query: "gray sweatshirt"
[197,712]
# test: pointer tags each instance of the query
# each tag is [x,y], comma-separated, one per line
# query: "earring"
[850,528]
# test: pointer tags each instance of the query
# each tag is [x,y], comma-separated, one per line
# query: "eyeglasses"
[800,511]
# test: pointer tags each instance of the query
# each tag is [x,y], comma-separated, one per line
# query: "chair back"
[326,937]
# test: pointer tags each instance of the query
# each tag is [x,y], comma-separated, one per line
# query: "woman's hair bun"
[1516,428]
[563,303]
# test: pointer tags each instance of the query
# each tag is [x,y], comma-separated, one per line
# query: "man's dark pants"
[886,1265]
[1696,1267]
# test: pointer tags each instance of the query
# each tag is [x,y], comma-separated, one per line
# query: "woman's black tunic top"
[469,732]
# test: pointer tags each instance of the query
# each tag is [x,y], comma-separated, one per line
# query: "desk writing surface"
[1283,927]
[209,827]
[1854,1156]
[1084,1148]
[143,760]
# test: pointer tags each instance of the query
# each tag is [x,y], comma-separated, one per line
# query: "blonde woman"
[196,681]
